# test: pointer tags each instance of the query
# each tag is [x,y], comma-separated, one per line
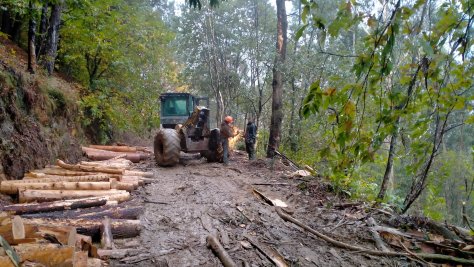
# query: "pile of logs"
[99,152]
[63,209]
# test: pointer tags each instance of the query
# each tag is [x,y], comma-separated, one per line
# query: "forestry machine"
[185,127]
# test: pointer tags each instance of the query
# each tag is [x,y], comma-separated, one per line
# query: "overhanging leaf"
[10,252]
[300,32]
[426,47]
[350,108]
[305,13]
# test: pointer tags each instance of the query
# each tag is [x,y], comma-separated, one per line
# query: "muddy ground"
[194,199]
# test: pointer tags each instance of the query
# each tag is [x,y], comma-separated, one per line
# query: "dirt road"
[194,199]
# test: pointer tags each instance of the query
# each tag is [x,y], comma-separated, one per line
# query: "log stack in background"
[66,207]
[134,154]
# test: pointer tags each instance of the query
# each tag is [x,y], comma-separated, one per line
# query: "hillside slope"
[39,119]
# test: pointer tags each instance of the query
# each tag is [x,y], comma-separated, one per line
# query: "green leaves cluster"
[412,73]
[119,51]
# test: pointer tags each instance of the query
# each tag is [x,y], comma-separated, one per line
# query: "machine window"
[175,106]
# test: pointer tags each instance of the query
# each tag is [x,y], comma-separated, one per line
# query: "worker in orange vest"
[227,131]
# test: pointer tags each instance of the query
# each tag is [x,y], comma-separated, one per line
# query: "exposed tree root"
[223,256]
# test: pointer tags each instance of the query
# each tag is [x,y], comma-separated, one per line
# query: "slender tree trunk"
[421,179]
[257,67]
[277,84]
[31,40]
[16,30]
[6,22]
[11,25]
[53,37]
[43,28]
[389,167]
[292,134]
[212,67]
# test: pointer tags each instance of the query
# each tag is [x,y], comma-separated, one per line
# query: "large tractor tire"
[166,147]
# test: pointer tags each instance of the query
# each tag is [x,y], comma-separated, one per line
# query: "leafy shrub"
[58,99]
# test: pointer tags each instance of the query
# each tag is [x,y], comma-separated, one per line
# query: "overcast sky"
[288,4]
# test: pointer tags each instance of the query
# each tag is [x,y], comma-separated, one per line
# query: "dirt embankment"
[38,116]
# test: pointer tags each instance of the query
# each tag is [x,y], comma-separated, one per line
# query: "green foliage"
[404,82]
[118,50]
[58,99]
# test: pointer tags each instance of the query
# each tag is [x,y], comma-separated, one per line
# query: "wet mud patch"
[191,201]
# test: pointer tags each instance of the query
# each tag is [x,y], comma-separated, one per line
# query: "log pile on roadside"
[134,154]
[63,209]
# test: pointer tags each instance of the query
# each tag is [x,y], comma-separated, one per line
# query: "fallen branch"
[375,235]
[413,254]
[271,184]
[155,202]
[15,259]
[270,253]
[239,208]
[223,256]
[294,165]
[328,239]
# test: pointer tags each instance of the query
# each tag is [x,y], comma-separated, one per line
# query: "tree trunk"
[389,167]
[115,148]
[134,180]
[101,155]
[130,213]
[57,171]
[31,39]
[120,228]
[30,195]
[33,233]
[71,167]
[12,188]
[138,173]
[43,28]
[277,84]
[55,206]
[420,179]
[53,178]
[53,37]
[44,255]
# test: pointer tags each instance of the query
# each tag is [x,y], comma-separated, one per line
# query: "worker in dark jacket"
[250,138]
[227,131]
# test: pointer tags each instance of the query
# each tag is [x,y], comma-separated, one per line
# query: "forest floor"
[190,201]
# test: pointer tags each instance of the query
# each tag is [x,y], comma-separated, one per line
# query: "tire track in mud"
[203,198]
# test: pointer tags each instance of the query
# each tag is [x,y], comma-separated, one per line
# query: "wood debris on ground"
[69,214]
[425,241]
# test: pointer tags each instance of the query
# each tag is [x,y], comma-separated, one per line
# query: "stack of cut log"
[132,153]
[64,208]
[29,244]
